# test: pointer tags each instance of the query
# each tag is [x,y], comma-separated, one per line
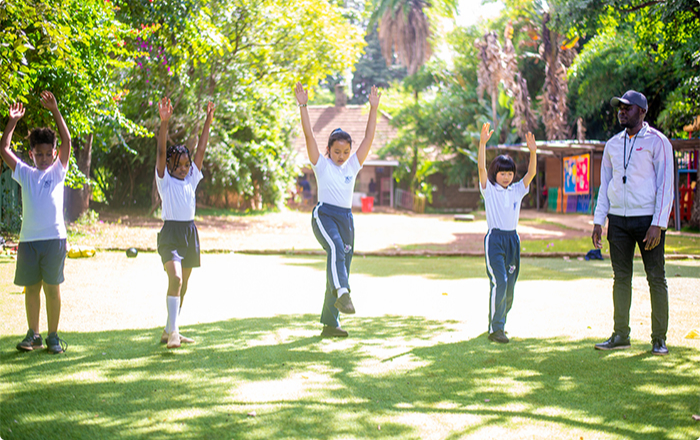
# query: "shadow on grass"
[390,373]
[455,268]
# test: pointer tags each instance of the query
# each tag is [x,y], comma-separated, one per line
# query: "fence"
[407,200]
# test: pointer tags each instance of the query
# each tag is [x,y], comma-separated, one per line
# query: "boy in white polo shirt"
[42,239]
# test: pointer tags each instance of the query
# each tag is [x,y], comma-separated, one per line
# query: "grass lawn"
[417,364]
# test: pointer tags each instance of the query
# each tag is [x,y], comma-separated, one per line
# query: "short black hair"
[338,135]
[43,135]
[501,163]
[175,152]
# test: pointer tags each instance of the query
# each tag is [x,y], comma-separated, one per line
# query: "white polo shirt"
[503,204]
[42,201]
[178,196]
[336,183]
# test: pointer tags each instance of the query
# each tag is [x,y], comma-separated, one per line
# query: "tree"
[405,29]
[242,54]
[371,69]
[71,48]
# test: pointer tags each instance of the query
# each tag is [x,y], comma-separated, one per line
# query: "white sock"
[342,291]
[173,307]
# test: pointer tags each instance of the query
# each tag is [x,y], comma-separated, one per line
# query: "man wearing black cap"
[636,191]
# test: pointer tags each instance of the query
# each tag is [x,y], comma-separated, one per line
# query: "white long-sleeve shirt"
[649,177]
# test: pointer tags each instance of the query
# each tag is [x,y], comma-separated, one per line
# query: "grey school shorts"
[41,260]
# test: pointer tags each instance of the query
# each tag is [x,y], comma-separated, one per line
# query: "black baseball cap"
[631,97]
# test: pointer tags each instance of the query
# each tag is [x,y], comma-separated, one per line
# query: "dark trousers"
[624,233]
[502,251]
[335,230]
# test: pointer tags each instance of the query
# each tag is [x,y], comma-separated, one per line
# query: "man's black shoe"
[659,347]
[333,332]
[499,336]
[616,342]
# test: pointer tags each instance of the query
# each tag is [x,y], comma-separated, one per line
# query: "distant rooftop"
[352,119]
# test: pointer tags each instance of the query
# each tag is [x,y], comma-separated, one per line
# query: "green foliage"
[243,55]
[371,70]
[652,47]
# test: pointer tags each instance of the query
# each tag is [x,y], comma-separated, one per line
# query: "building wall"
[452,196]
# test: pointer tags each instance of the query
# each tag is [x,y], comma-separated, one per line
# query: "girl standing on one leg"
[332,219]
[178,240]
[502,199]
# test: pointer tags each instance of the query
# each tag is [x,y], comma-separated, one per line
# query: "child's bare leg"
[32,303]
[186,272]
[174,271]
[53,305]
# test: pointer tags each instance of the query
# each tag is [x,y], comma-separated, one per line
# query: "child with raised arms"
[502,200]
[41,252]
[332,220]
[177,177]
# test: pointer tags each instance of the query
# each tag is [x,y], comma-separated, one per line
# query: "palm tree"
[404,29]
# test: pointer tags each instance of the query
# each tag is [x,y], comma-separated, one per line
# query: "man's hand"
[653,238]
[596,236]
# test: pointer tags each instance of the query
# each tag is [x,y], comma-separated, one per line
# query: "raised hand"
[165,109]
[374,97]
[531,143]
[485,133]
[16,111]
[302,95]
[48,101]
[210,110]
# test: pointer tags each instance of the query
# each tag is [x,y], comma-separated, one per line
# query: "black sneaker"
[616,342]
[344,304]
[333,332]
[55,345]
[659,347]
[499,336]
[31,342]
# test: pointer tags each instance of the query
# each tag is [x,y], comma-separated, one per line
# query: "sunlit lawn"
[417,364]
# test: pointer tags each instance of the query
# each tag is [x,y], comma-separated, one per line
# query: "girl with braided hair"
[178,240]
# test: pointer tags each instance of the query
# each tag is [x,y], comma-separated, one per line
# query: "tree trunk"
[78,200]
[695,214]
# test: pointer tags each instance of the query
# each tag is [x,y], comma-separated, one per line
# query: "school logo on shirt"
[515,206]
[348,179]
[47,183]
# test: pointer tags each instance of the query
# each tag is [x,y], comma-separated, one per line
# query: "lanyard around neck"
[625,159]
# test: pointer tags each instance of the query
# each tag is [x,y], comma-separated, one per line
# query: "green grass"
[675,244]
[455,268]
[396,377]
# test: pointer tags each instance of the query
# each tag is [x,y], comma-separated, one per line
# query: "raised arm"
[311,145]
[16,113]
[204,138]
[165,109]
[366,145]
[532,166]
[49,103]
[481,160]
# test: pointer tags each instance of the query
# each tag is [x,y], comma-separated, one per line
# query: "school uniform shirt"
[42,201]
[178,196]
[503,204]
[648,187]
[336,183]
